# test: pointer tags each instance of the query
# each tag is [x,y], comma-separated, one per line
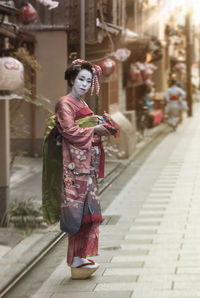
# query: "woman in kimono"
[175,103]
[82,165]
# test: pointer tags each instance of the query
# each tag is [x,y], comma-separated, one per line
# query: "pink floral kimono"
[80,206]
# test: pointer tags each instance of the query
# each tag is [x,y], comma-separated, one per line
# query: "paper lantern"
[179,66]
[49,3]
[107,66]
[28,14]
[11,74]
[134,73]
[121,54]
[149,82]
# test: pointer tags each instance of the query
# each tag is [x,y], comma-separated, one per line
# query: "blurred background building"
[136,42]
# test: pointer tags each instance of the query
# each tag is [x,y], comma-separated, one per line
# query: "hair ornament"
[97,71]
[78,62]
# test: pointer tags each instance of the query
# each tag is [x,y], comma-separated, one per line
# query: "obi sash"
[84,112]
[174,97]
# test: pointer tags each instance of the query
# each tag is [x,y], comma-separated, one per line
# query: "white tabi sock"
[77,261]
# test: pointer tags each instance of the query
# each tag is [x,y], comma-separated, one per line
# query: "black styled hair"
[173,82]
[73,70]
[145,89]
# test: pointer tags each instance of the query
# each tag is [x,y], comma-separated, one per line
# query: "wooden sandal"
[82,273]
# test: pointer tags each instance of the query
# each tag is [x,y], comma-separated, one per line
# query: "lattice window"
[105,7]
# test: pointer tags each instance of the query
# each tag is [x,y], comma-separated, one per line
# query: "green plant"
[26,214]
[19,126]
[31,69]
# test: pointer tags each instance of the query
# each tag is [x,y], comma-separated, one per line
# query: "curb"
[24,256]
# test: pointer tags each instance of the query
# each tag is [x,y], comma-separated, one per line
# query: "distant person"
[175,103]
[148,95]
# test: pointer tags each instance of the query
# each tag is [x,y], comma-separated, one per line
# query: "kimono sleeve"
[167,95]
[182,94]
[80,137]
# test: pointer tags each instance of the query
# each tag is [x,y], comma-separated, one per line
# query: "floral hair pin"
[97,71]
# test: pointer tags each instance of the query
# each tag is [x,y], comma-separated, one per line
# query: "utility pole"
[4,156]
[199,52]
[188,62]
[82,29]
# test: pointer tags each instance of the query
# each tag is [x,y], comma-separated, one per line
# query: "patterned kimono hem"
[84,243]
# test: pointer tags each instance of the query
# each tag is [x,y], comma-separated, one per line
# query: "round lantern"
[107,66]
[28,14]
[121,54]
[134,73]
[11,74]
[179,66]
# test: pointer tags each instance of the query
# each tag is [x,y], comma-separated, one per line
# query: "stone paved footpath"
[151,248]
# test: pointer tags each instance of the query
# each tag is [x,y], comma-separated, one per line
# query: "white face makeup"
[82,83]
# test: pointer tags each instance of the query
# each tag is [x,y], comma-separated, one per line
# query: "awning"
[129,36]
[8,9]
[111,28]
[8,31]
[12,30]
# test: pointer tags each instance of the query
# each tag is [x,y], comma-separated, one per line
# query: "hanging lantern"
[147,71]
[28,14]
[121,54]
[11,74]
[149,82]
[49,3]
[107,66]
[179,67]
[135,73]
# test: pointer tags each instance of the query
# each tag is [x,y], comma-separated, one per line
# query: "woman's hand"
[106,115]
[101,130]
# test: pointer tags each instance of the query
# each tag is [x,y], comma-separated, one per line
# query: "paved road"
[150,246]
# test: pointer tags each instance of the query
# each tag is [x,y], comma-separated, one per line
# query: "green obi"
[52,174]
[88,121]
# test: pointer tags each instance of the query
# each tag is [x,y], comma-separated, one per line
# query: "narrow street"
[71,72]
[149,242]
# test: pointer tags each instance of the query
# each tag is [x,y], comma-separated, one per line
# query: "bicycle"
[142,119]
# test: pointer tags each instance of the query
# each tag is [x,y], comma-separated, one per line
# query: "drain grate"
[111,248]
[110,219]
